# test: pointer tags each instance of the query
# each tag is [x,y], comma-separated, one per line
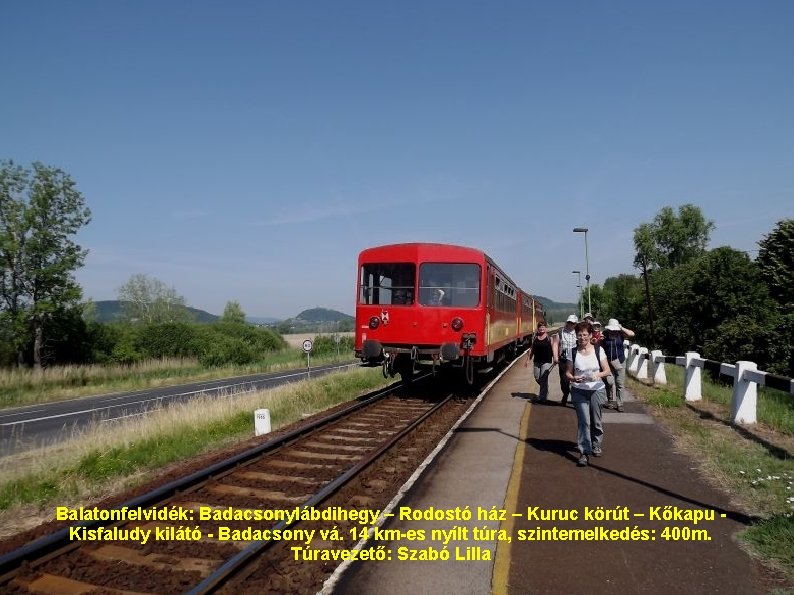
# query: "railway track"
[235,524]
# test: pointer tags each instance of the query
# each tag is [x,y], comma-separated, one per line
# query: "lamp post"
[584,230]
[581,297]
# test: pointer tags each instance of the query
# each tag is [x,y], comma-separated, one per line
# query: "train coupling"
[468,340]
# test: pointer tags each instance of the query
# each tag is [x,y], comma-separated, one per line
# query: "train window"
[387,283]
[446,284]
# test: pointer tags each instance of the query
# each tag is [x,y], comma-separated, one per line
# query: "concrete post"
[745,395]
[691,377]
[659,376]
[634,360]
[642,371]
[262,421]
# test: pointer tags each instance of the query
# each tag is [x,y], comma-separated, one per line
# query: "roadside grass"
[761,480]
[774,408]
[26,386]
[110,457]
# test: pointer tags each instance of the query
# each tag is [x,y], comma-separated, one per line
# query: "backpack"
[597,354]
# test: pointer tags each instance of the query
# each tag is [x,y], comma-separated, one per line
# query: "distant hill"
[557,311]
[318,320]
[323,315]
[111,311]
[262,319]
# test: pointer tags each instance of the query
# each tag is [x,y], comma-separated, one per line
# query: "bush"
[261,339]
[326,345]
[170,339]
[223,350]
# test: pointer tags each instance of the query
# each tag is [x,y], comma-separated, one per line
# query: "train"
[425,304]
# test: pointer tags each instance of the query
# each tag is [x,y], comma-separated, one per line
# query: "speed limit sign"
[307,345]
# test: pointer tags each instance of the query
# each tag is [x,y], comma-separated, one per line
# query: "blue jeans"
[589,429]
[542,378]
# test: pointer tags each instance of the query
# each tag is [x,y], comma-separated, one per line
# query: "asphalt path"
[45,424]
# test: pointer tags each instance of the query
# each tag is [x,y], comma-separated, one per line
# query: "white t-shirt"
[587,366]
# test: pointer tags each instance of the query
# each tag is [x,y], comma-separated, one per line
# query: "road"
[32,426]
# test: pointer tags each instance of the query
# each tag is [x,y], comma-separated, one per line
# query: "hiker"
[598,335]
[543,353]
[564,343]
[614,334]
[586,372]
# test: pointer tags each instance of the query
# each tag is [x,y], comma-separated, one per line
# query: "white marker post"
[307,349]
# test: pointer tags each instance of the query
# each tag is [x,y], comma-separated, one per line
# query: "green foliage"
[147,300]
[115,311]
[170,339]
[781,345]
[556,311]
[715,305]
[325,345]
[672,239]
[774,537]
[624,300]
[239,344]
[233,313]
[40,212]
[776,262]
[744,338]
[599,302]
[124,349]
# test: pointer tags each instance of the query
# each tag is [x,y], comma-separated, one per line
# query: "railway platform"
[637,520]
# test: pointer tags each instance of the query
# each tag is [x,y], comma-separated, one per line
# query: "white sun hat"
[613,325]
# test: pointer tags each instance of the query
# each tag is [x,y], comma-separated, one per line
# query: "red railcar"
[437,303]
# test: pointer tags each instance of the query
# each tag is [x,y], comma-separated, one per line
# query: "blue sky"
[249,150]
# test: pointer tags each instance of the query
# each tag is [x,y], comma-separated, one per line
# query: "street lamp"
[581,300]
[584,230]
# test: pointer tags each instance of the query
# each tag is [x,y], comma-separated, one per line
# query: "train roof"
[424,247]
[433,250]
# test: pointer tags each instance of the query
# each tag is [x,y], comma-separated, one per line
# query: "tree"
[705,306]
[150,301]
[40,212]
[776,262]
[599,300]
[623,296]
[233,313]
[671,240]
[678,239]
[645,257]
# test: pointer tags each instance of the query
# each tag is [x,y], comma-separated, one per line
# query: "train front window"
[444,284]
[388,284]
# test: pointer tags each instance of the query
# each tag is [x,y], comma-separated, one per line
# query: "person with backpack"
[586,371]
[616,354]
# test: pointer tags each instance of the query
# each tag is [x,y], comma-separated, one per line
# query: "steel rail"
[44,546]
[219,575]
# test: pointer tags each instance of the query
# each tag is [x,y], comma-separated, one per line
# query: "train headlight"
[374,322]
[457,323]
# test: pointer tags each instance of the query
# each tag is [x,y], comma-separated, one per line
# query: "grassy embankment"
[759,476]
[26,387]
[108,458]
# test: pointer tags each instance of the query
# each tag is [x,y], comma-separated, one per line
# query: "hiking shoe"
[582,462]
[597,452]
[620,409]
